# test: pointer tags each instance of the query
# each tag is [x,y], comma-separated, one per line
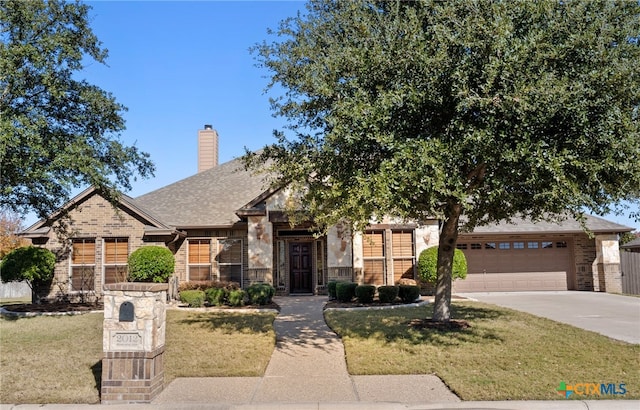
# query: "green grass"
[505,355]
[58,359]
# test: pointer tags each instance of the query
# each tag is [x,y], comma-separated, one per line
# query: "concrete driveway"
[615,316]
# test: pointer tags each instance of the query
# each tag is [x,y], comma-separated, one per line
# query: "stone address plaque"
[126,340]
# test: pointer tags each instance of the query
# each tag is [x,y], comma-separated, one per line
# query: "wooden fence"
[630,266]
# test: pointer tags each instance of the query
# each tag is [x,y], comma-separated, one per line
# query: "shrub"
[345,291]
[388,294]
[365,293]
[236,297]
[207,284]
[260,293]
[194,298]
[409,293]
[29,263]
[151,264]
[331,289]
[216,296]
[428,265]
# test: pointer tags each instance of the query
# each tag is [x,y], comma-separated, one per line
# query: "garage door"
[515,265]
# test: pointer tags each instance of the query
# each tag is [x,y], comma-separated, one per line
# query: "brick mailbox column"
[133,342]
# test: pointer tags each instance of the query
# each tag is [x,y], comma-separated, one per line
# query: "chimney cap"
[208,126]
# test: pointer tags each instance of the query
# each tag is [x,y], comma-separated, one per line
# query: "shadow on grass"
[96,369]
[395,326]
[231,323]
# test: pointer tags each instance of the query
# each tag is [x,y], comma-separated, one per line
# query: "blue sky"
[179,65]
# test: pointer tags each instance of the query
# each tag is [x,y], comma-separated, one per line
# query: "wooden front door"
[300,267]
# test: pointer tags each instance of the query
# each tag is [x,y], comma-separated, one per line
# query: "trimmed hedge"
[409,293]
[428,265]
[236,297]
[260,293]
[151,264]
[345,291]
[388,294]
[331,289]
[216,296]
[194,298]
[365,293]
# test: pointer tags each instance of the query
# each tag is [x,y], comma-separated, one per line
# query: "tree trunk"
[446,249]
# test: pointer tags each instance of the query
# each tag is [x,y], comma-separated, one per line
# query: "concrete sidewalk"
[307,366]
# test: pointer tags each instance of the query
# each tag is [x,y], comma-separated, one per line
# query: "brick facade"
[93,218]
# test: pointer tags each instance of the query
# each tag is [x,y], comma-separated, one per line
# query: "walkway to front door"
[307,366]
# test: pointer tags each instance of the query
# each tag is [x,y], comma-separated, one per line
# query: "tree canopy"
[57,131]
[470,111]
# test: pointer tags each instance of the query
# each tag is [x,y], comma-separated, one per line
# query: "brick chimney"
[207,148]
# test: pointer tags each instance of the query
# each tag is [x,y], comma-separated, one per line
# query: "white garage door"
[515,265]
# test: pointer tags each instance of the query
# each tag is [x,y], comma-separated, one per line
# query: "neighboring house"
[224,224]
[632,246]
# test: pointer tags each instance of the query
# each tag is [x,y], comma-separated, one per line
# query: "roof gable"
[124,202]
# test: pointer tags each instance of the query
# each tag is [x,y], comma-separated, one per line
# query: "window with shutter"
[116,254]
[373,257]
[199,259]
[229,258]
[83,264]
[402,254]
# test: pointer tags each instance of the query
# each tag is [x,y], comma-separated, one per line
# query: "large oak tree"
[57,131]
[470,111]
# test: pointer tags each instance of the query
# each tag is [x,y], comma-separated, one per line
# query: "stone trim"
[137,287]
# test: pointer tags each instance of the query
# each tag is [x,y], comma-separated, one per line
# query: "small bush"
[388,294]
[236,297]
[408,293]
[260,293]
[345,291]
[216,296]
[30,263]
[331,289]
[207,284]
[194,298]
[151,264]
[428,265]
[365,293]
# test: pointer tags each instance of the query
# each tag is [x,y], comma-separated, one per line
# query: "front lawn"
[504,355]
[58,359]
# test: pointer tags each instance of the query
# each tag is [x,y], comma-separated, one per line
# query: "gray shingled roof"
[569,225]
[632,244]
[209,198]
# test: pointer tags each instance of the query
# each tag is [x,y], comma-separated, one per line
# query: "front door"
[300,267]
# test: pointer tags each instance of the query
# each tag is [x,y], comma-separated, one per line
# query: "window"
[373,255]
[504,245]
[461,246]
[490,245]
[532,245]
[320,273]
[229,260]
[562,244]
[83,264]
[518,245]
[476,246]
[547,245]
[402,254]
[116,253]
[199,259]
